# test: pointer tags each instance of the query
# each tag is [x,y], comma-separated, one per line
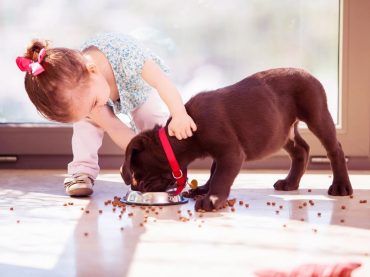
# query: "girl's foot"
[79,185]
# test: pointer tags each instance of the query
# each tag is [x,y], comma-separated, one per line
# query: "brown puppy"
[245,121]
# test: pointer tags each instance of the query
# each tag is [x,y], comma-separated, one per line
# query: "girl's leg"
[84,169]
[152,112]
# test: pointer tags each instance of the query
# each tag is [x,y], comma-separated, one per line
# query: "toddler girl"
[111,74]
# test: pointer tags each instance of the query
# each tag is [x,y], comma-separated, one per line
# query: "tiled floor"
[40,236]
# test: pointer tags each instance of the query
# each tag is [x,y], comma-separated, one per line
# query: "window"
[207,44]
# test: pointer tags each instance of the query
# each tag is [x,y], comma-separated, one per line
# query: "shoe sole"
[80,192]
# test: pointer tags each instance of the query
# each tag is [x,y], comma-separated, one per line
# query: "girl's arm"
[181,124]
[104,117]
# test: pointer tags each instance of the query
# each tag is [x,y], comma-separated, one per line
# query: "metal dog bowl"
[152,199]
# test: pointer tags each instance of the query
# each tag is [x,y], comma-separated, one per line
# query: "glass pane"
[207,43]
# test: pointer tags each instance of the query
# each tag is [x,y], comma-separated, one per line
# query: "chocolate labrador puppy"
[243,122]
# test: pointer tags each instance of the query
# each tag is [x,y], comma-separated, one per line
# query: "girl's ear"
[91,67]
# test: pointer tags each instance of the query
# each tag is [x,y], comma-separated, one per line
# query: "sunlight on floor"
[46,235]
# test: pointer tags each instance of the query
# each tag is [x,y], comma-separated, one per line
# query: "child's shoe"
[79,185]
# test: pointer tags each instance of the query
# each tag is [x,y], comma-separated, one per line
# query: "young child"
[112,74]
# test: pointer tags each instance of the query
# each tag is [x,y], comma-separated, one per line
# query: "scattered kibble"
[241,202]
[18,221]
[82,209]
[100,211]
[193,184]
[302,219]
[12,209]
[247,205]
[122,229]
[268,203]
[87,211]
[351,196]
[304,204]
[86,234]
[284,225]
[343,207]
[232,209]
[131,214]
[342,221]
[273,203]
[280,207]
[309,190]
[277,211]
[363,201]
[319,214]
[231,202]
[314,230]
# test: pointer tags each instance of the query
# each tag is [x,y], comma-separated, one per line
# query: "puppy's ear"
[135,146]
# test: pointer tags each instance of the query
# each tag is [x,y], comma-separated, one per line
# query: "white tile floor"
[42,237]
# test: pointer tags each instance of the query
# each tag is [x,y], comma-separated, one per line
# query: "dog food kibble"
[300,207]
[12,209]
[273,203]
[65,204]
[302,219]
[277,211]
[120,216]
[304,204]
[314,230]
[82,209]
[87,211]
[318,214]
[280,207]
[351,196]
[122,229]
[131,214]
[86,234]
[363,201]
[18,221]
[193,184]
[241,202]
[231,202]
[284,225]
[179,211]
[268,203]
[342,221]
[232,209]
[309,190]
[311,202]
[247,205]
[100,211]
[343,207]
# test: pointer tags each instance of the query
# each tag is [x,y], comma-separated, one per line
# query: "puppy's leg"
[201,190]
[324,129]
[226,169]
[298,151]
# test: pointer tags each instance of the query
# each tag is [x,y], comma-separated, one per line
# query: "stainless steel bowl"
[152,199]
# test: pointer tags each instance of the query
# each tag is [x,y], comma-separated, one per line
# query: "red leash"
[176,171]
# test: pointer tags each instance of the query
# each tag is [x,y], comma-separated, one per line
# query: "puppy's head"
[146,167]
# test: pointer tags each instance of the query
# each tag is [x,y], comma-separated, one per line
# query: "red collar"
[176,171]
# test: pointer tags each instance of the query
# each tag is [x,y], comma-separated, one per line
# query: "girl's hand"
[182,126]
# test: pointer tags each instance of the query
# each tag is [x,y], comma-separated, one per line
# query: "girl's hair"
[64,68]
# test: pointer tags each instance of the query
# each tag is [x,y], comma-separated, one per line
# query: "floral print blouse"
[127,57]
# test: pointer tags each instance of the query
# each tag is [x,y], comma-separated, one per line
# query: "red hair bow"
[28,65]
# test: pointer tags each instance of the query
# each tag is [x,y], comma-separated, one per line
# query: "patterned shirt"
[126,57]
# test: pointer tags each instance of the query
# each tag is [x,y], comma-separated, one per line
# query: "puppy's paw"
[285,185]
[340,189]
[209,203]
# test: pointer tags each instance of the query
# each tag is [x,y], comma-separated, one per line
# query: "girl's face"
[89,96]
